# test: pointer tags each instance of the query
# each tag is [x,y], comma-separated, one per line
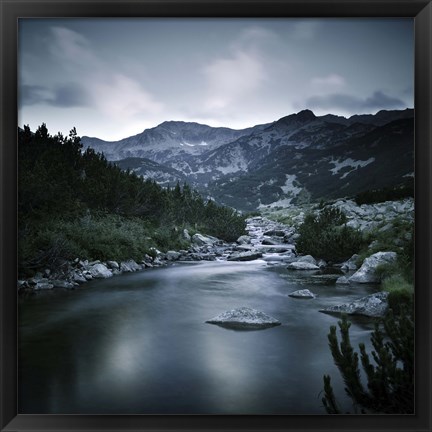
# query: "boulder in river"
[270,242]
[307,258]
[244,318]
[244,239]
[275,233]
[367,272]
[302,265]
[245,256]
[374,305]
[304,293]
[343,280]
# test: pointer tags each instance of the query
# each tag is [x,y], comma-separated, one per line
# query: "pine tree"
[390,377]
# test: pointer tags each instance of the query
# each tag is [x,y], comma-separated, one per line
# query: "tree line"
[63,188]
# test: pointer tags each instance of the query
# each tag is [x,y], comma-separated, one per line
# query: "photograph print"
[216,216]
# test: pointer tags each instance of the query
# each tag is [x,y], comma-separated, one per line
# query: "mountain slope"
[298,157]
[171,139]
[148,169]
[383,157]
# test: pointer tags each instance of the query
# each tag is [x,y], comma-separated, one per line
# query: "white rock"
[78,277]
[100,271]
[321,263]
[299,265]
[367,272]
[129,266]
[62,284]
[185,235]
[113,265]
[244,239]
[304,293]
[342,280]
[172,255]
[307,258]
[350,264]
[374,305]
[201,240]
[244,318]
[43,286]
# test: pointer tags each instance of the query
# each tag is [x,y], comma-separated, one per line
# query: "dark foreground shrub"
[390,374]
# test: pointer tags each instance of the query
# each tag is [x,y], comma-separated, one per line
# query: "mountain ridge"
[216,160]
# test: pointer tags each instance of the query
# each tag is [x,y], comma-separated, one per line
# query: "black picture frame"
[11,10]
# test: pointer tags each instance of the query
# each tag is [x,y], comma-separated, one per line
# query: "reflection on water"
[139,343]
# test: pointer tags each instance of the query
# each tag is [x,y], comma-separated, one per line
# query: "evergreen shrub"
[325,235]
[389,373]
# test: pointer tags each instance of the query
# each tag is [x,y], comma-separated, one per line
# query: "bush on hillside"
[325,235]
[385,194]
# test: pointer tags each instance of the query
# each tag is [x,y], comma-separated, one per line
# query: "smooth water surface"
[138,343]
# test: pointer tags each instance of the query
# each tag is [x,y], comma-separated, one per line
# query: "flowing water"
[138,343]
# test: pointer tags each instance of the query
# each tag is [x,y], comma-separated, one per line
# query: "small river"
[138,343]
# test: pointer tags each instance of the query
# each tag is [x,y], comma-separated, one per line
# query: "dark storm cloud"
[32,94]
[338,101]
[70,95]
[64,96]
[132,74]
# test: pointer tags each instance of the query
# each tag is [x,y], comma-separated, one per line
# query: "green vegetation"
[396,278]
[390,375]
[74,203]
[386,194]
[325,235]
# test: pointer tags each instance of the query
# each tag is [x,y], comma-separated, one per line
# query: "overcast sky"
[112,78]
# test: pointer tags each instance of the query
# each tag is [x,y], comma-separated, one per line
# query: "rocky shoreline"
[267,240]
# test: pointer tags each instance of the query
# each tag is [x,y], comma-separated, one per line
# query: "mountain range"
[295,159]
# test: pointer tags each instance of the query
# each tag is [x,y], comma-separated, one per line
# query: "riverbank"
[266,239]
[254,245]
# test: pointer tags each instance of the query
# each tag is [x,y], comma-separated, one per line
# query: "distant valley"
[298,158]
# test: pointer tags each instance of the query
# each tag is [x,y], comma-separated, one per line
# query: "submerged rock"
[367,272]
[374,305]
[244,318]
[304,293]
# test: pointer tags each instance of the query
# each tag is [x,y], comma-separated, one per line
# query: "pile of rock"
[73,273]
[366,217]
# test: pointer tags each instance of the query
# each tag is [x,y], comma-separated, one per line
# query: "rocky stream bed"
[267,240]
